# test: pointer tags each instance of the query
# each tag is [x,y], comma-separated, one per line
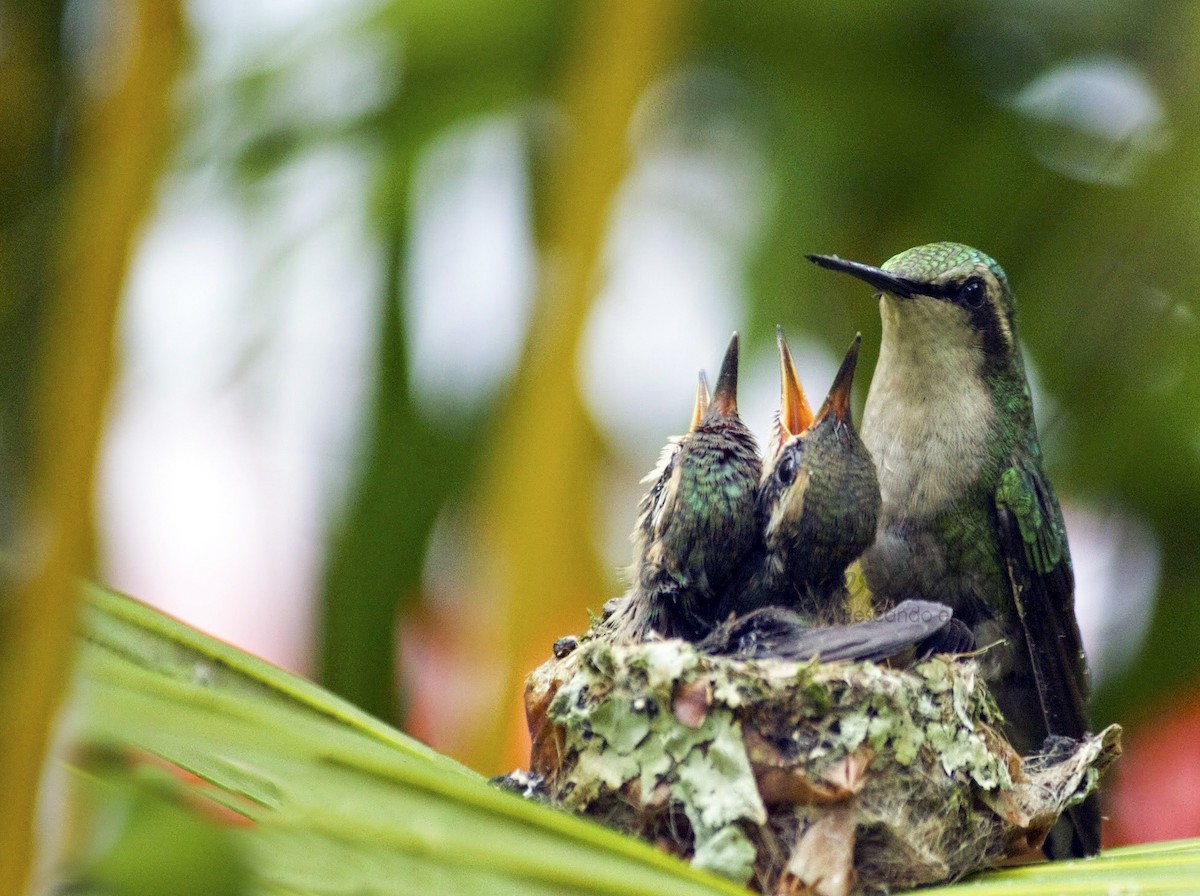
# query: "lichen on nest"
[825,778]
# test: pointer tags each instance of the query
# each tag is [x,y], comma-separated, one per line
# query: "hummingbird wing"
[779,633]
[1033,546]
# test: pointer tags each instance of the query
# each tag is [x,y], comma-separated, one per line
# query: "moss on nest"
[798,777]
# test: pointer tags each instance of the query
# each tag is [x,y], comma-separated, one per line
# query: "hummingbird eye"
[972,293]
[786,471]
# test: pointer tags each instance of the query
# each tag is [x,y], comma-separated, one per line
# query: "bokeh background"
[345,330]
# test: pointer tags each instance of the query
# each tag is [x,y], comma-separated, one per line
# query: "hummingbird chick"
[818,501]
[697,524]
[969,517]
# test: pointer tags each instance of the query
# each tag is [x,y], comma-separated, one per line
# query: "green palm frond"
[1168,867]
[339,802]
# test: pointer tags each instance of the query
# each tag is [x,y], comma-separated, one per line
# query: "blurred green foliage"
[878,127]
[236,777]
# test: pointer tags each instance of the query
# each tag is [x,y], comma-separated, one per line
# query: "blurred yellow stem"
[115,159]
[537,510]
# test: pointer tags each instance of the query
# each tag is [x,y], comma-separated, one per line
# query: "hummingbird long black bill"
[878,278]
[837,402]
[795,415]
[724,397]
[703,400]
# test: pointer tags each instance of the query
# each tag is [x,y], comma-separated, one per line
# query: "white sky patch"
[236,37]
[231,433]
[1117,562]
[672,292]
[666,312]
[188,282]
[194,522]
[472,266]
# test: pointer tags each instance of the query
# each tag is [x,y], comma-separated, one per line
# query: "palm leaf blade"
[339,802]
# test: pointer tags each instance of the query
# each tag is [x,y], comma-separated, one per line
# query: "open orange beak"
[837,402]
[703,400]
[795,415]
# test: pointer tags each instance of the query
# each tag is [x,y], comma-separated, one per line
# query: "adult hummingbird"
[968,517]
[818,501]
[697,523]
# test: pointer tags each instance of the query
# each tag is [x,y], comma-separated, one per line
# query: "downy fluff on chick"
[697,524]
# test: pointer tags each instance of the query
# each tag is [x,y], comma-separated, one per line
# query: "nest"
[822,778]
